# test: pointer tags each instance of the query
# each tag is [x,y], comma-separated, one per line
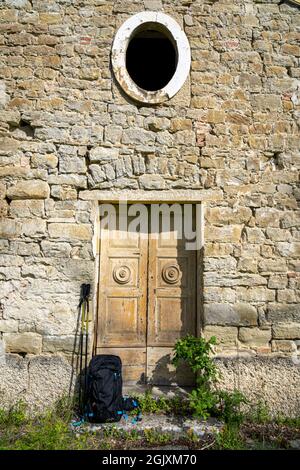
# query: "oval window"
[151,57]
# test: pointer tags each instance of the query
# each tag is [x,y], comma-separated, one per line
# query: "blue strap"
[78,423]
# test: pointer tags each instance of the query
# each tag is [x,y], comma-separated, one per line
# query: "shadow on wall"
[80,354]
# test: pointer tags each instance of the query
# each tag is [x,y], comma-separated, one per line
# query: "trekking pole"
[81,306]
[87,311]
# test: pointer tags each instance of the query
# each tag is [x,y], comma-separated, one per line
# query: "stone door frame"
[150,197]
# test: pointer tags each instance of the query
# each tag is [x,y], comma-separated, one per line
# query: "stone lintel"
[170,196]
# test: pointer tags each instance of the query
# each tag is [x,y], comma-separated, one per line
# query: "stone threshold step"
[162,424]
[166,391]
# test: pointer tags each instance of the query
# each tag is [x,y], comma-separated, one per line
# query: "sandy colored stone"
[286,331]
[255,337]
[226,335]
[103,154]
[226,314]
[29,190]
[283,345]
[70,231]
[27,208]
[9,228]
[30,343]
[229,234]
[151,182]
[226,215]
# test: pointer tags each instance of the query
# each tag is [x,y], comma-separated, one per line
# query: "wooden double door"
[147,300]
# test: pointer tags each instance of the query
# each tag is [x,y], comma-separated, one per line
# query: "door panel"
[171,306]
[122,299]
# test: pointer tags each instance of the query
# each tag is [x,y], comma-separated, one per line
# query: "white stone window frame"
[159,22]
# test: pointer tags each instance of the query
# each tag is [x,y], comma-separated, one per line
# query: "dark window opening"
[151,60]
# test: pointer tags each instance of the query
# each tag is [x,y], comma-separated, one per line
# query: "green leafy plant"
[15,415]
[197,353]
[229,404]
[154,437]
[205,400]
[161,405]
[230,438]
[259,413]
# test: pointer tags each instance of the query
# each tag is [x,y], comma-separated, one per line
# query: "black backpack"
[104,402]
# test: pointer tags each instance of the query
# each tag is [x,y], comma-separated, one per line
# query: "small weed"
[112,432]
[229,404]
[259,413]
[132,435]
[150,404]
[286,421]
[14,416]
[156,438]
[230,438]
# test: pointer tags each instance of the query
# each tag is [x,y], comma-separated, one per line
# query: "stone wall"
[67,130]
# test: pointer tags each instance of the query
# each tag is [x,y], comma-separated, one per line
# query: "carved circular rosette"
[122,274]
[171,273]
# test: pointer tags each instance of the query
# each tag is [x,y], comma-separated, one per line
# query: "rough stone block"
[283,312]
[283,345]
[290,250]
[27,208]
[30,343]
[267,217]
[218,294]
[9,228]
[29,190]
[223,264]
[44,161]
[34,227]
[230,280]
[233,315]
[50,379]
[103,154]
[63,343]
[277,282]
[286,331]
[255,294]
[255,235]
[255,338]
[8,326]
[247,265]
[151,182]
[71,164]
[272,265]
[70,231]
[287,296]
[226,335]
[229,233]
[261,378]
[55,249]
[215,250]
[13,378]
[226,215]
